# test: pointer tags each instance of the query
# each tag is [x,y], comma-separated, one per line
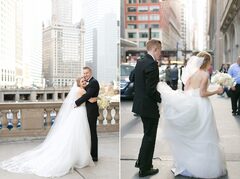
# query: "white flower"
[223,79]
[103,102]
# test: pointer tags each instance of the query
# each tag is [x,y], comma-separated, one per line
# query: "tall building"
[102,41]
[158,17]
[224,28]
[63,46]
[32,43]
[10,43]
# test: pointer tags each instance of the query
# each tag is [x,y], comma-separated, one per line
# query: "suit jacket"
[92,90]
[146,95]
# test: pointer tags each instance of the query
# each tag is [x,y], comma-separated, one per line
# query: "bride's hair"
[78,80]
[207,58]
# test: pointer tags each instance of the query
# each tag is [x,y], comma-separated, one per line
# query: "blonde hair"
[78,80]
[207,58]
[153,43]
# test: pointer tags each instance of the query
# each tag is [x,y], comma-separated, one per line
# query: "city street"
[131,135]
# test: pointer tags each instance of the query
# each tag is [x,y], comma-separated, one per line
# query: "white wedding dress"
[189,127]
[67,144]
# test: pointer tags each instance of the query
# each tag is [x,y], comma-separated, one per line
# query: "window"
[142,9]
[131,1]
[132,9]
[142,17]
[132,18]
[155,34]
[132,26]
[155,26]
[154,17]
[142,1]
[143,34]
[132,35]
[142,44]
[154,8]
[155,1]
[142,26]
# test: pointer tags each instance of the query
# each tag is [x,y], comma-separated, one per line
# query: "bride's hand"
[220,90]
[93,100]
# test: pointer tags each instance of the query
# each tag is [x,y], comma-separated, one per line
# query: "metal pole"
[149,33]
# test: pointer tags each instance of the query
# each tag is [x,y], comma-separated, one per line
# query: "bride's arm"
[93,100]
[203,88]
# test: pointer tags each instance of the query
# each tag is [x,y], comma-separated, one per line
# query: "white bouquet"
[103,102]
[223,79]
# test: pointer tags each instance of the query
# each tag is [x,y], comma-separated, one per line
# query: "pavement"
[106,168]
[132,132]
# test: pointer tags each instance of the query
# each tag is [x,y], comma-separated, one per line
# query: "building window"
[142,17]
[132,35]
[155,34]
[142,26]
[132,1]
[143,34]
[142,1]
[132,26]
[155,26]
[154,8]
[142,9]
[154,17]
[142,44]
[132,9]
[154,1]
[132,18]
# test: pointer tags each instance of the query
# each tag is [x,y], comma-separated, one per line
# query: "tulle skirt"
[189,126]
[66,147]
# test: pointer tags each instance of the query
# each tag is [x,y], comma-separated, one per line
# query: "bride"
[189,125]
[67,144]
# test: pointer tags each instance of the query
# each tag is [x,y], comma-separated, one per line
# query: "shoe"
[95,159]
[151,171]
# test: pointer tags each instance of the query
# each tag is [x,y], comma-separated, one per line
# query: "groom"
[92,90]
[145,104]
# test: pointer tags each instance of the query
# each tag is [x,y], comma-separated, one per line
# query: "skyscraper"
[102,38]
[62,46]
[10,43]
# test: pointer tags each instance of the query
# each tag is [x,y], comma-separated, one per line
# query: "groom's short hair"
[87,68]
[153,43]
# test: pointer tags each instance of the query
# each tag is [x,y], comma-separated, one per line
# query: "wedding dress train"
[67,145]
[189,126]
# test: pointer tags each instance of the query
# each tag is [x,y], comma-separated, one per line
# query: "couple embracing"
[188,120]
[72,140]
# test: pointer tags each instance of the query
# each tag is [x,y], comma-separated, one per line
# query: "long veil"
[64,111]
[193,64]
[25,162]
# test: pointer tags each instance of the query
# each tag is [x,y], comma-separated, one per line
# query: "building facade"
[102,42]
[224,28]
[63,47]
[145,19]
[11,43]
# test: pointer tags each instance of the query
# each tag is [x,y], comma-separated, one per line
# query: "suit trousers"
[145,156]
[94,139]
[235,99]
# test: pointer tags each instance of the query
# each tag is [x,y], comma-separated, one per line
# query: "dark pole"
[149,33]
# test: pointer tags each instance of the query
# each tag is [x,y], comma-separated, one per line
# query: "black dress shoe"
[151,171]
[95,159]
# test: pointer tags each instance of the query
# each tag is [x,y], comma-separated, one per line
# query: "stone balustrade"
[33,119]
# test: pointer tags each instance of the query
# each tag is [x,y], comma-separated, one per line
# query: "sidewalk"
[106,168]
[229,131]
